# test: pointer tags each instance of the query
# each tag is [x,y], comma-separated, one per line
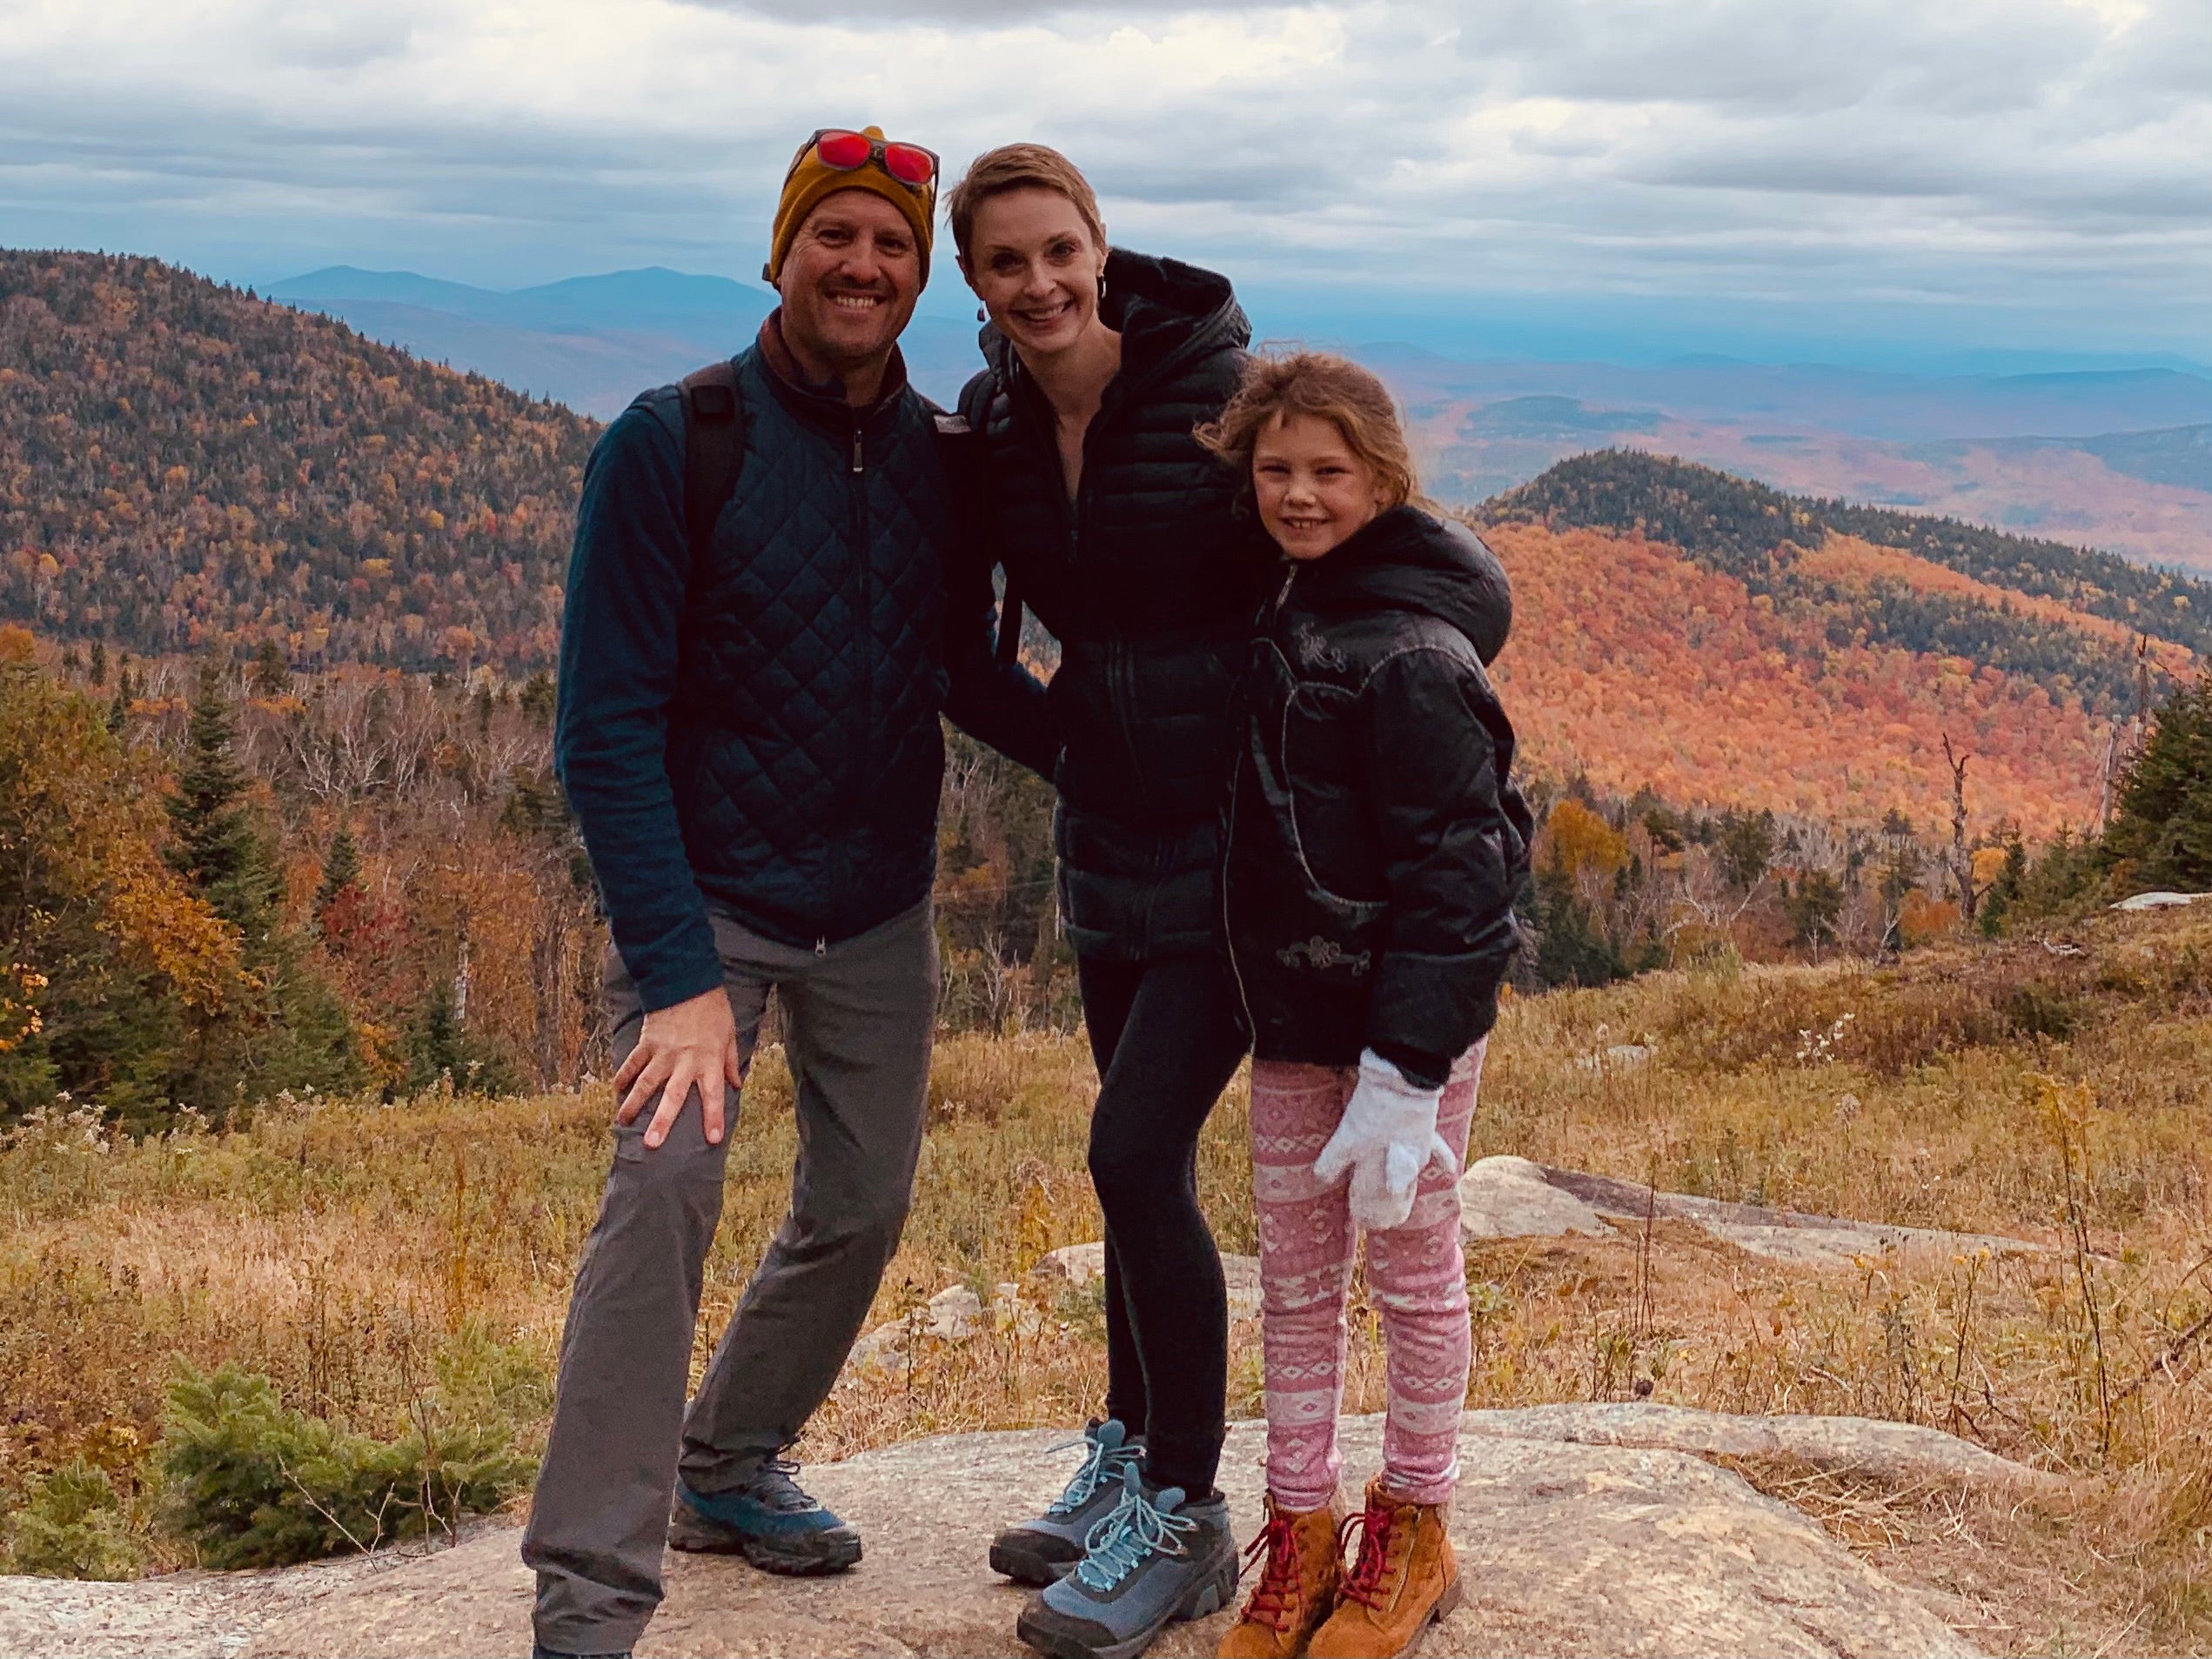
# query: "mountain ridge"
[183,465]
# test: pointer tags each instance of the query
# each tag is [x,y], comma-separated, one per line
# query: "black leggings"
[1167,1038]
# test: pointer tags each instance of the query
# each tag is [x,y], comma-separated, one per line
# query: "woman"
[1121,532]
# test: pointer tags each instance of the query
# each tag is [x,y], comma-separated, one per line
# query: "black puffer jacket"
[1376,838]
[1149,581]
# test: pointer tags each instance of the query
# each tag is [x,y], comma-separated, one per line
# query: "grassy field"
[367,1258]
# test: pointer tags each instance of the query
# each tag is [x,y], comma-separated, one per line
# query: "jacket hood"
[1165,312]
[1407,559]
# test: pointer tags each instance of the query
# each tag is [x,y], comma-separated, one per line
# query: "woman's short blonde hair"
[1337,390]
[1013,167]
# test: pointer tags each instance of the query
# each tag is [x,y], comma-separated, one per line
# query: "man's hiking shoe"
[1045,1551]
[772,1523]
[1152,1560]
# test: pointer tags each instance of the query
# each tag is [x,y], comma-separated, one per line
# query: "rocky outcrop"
[1567,1548]
[1892,1454]
[1514,1198]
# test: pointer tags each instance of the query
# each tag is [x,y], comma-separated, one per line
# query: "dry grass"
[351,1252]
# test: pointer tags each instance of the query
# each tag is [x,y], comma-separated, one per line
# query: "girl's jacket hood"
[1408,560]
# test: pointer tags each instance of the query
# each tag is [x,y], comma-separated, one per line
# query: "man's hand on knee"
[690,1044]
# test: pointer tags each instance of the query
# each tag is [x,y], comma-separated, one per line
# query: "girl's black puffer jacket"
[1376,838]
[1149,581]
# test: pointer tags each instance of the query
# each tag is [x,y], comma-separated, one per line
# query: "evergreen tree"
[1813,906]
[99,662]
[341,868]
[288,1030]
[2160,834]
[270,675]
[2007,891]
[1570,947]
[2057,883]
[218,846]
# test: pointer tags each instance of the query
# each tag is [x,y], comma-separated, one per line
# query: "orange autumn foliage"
[1634,666]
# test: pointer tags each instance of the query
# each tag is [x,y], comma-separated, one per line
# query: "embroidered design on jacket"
[1319,952]
[1315,650]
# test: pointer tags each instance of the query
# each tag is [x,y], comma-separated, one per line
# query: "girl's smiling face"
[1034,264]
[1313,493]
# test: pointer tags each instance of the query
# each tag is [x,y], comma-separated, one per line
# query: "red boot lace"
[1275,1597]
[1370,1574]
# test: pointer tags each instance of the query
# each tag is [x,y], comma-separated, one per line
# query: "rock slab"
[1516,1198]
[1896,1454]
[1567,1549]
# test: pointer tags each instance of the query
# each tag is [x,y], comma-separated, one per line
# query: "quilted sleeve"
[627,578]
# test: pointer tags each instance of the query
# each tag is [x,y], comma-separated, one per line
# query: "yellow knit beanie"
[811,180]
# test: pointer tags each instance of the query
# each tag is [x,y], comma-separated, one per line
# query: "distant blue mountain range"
[2003,447]
[590,342]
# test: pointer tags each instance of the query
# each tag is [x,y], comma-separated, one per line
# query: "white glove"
[1387,1137]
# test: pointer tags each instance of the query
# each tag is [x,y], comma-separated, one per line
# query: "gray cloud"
[2032,158]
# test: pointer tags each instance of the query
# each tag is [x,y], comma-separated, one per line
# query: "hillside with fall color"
[183,465]
[1686,631]
[1636,668]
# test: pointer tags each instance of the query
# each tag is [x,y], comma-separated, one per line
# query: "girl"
[1375,841]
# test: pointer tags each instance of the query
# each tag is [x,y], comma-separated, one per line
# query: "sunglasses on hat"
[843,151]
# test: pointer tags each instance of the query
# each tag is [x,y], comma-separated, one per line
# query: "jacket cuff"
[1418,1066]
[675,968]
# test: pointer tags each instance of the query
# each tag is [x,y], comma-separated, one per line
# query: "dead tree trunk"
[1961,861]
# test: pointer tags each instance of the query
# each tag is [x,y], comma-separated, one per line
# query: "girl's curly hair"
[1339,391]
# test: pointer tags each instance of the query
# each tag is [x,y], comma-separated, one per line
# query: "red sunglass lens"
[842,149]
[909,164]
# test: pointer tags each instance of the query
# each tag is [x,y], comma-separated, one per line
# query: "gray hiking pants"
[858,1019]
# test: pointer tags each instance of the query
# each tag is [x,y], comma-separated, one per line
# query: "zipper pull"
[821,945]
[856,448]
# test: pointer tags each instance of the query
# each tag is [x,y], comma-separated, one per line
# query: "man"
[765,615]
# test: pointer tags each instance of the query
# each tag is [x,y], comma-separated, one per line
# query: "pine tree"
[272,675]
[341,868]
[2007,892]
[2160,834]
[218,846]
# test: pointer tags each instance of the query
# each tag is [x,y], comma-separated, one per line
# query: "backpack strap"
[975,398]
[714,448]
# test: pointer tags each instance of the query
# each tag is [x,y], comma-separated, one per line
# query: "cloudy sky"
[1599,174]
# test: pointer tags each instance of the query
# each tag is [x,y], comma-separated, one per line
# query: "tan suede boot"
[1404,1580]
[1298,1588]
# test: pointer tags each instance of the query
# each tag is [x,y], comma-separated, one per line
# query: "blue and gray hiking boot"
[1152,1560]
[772,1523]
[1045,1551]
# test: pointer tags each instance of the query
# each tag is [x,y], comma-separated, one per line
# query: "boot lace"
[777,1487]
[1275,1597]
[1127,1536]
[1102,1464]
[1368,1581]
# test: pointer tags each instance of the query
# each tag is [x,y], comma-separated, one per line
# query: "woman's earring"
[982,316]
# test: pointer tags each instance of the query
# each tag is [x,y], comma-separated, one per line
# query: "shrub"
[71,1525]
[253,1484]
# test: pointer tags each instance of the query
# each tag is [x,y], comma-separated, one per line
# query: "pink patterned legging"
[1415,1274]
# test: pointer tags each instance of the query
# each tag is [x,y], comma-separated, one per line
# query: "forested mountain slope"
[182,465]
[1746,530]
[1808,656]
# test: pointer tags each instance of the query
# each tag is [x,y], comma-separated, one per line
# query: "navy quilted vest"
[804,745]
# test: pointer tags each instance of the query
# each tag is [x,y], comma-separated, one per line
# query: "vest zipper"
[865,614]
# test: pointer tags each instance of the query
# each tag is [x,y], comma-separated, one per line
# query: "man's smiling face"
[850,283]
